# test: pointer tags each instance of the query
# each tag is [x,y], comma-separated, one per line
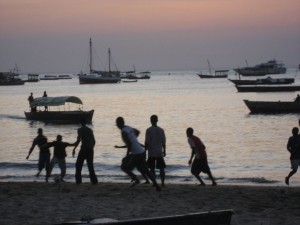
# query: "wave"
[12,117]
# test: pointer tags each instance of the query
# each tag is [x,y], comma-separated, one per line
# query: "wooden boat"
[129,81]
[268,80]
[218,73]
[273,107]
[267,88]
[99,77]
[207,218]
[57,115]
[270,67]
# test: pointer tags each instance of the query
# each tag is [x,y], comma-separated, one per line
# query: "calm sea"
[242,148]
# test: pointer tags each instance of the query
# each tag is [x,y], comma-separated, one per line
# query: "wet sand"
[51,203]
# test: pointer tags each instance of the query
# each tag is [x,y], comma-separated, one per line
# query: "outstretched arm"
[31,149]
[75,146]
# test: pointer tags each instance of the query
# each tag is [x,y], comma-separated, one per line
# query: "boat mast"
[109,60]
[91,57]
[209,67]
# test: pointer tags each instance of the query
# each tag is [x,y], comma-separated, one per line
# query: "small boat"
[58,115]
[269,80]
[222,217]
[9,78]
[270,67]
[218,73]
[136,76]
[49,77]
[267,88]
[64,76]
[274,107]
[129,81]
[99,77]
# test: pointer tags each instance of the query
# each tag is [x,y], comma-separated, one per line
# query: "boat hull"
[212,76]
[263,81]
[259,72]
[98,80]
[60,116]
[207,218]
[271,88]
[273,107]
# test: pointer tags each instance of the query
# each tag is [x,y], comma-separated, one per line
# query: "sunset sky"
[53,35]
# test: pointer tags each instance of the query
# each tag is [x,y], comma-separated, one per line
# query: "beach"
[52,203]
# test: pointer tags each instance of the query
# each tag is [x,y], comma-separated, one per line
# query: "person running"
[87,139]
[44,155]
[199,164]
[135,156]
[155,143]
[293,146]
[59,156]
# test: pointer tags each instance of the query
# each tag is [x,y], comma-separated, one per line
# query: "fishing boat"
[273,106]
[270,67]
[218,73]
[133,75]
[10,78]
[269,80]
[58,114]
[32,77]
[222,217]
[99,77]
[267,88]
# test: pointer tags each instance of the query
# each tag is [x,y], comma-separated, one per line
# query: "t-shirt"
[135,147]
[196,143]
[41,141]
[155,138]
[294,147]
[87,137]
[59,148]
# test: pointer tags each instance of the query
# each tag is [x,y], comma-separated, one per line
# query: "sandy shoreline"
[50,203]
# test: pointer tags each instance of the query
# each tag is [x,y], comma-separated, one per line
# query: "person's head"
[83,121]
[295,131]
[154,119]
[31,93]
[59,138]
[40,131]
[189,131]
[120,122]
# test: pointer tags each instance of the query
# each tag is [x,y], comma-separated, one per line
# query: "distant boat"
[269,80]
[273,107]
[10,78]
[270,67]
[58,115]
[267,88]
[218,73]
[222,217]
[49,77]
[136,76]
[32,77]
[99,77]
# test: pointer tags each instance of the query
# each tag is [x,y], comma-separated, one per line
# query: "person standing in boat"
[44,155]
[135,156]
[45,96]
[59,155]
[87,139]
[293,146]
[155,143]
[199,164]
[30,100]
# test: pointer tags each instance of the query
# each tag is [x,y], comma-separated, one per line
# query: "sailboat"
[218,73]
[99,77]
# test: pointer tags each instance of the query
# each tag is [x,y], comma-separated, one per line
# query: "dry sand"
[50,203]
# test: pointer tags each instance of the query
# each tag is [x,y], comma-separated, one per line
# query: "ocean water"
[242,148]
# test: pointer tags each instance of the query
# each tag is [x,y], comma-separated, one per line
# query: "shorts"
[200,165]
[295,163]
[158,163]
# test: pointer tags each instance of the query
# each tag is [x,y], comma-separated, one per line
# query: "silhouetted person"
[293,146]
[45,96]
[135,156]
[87,139]
[200,163]
[59,155]
[44,155]
[155,143]
[137,133]
[30,100]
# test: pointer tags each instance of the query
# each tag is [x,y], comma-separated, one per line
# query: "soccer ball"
[57,179]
